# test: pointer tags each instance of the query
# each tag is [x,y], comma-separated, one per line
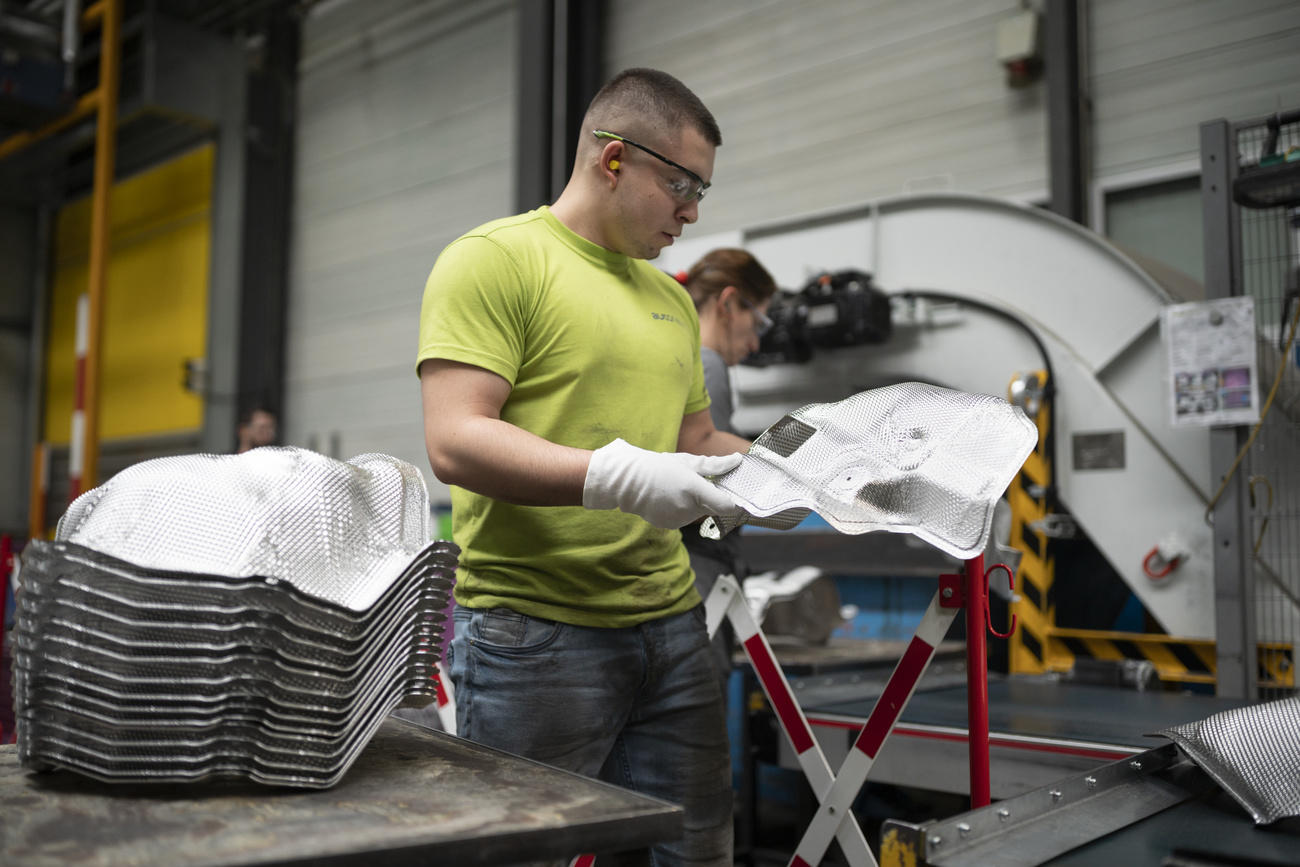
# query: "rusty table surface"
[414,796]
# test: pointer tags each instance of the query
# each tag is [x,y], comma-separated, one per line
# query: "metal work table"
[415,796]
[1040,728]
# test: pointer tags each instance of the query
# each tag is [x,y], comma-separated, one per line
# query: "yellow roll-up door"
[155,313]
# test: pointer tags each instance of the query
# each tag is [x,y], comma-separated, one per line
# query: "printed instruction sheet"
[1213,375]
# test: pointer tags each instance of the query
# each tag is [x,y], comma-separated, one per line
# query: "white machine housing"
[1095,309]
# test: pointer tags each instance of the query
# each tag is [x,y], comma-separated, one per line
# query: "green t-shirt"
[596,345]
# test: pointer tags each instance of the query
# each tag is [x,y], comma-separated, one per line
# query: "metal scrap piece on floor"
[1253,753]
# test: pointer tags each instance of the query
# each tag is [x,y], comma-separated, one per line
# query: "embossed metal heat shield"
[908,458]
[253,616]
[1252,752]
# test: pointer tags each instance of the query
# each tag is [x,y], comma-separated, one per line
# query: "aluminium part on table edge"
[339,531]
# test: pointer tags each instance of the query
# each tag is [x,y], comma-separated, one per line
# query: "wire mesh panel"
[1267,188]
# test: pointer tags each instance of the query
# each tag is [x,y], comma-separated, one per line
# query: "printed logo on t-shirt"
[666,317]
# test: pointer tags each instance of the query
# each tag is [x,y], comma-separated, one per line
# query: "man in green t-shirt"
[564,402]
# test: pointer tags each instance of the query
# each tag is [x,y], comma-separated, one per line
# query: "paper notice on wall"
[1213,376]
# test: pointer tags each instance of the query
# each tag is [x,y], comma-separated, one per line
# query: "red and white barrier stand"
[727,600]
[835,793]
[446,699]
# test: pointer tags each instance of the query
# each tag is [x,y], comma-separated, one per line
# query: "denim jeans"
[638,707]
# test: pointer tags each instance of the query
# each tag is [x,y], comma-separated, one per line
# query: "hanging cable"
[1263,525]
[1263,413]
[1049,389]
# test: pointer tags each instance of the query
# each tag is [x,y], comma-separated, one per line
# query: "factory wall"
[405,137]
[827,104]
[406,118]
[831,103]
[1158,69]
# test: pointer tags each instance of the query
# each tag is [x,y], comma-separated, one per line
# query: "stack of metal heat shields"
[274,659]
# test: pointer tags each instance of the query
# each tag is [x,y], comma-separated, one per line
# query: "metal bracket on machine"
[1056,526]
[1039,825]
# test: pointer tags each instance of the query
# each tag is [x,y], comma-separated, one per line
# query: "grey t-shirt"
[710,558]
[718,382]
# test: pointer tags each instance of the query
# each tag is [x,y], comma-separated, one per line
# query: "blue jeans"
[637,707]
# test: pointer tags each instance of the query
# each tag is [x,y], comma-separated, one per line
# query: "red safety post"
[977,680]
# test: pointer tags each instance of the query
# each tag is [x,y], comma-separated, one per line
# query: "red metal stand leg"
[837,800]
[977,683]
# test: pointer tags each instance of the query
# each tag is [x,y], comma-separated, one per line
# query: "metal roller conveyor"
[1157,807]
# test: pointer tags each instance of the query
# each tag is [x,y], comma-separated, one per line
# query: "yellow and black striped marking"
[1176,660]
[1036,609]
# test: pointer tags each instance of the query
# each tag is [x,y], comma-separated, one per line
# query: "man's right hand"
[669,490]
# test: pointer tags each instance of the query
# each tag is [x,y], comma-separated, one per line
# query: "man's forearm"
[719,443]
[499,460]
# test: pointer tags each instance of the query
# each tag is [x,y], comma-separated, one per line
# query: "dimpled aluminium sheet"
[254,617]
[1253,753]
[909,458]
[338,531]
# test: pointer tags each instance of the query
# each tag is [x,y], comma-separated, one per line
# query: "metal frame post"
[1066,122]
[110,22]
[977,680]
[1236,672]
[226,262]
[533,106]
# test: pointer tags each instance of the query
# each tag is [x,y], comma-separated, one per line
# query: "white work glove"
[667,489]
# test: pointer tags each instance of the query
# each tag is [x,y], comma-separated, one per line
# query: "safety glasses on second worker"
[683,190]
[762,323]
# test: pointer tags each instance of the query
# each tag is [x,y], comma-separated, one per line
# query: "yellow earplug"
[614,164]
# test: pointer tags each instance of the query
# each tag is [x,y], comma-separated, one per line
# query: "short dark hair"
[252,409]
[659,101]
[728,266]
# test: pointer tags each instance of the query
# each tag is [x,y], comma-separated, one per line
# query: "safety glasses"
[684,190]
